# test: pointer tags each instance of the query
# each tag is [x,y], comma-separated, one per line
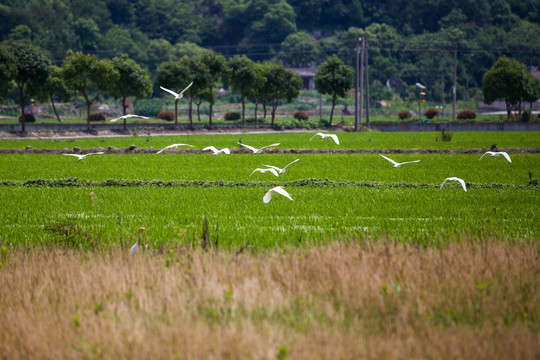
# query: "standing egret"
[128,116]
[216,151]
[172,146]
[278,189]
[324,136]
[135,247]
[83,156]
[262,171]
[496,153]
[177,96]
[281,171]
[396,164]
[455,179]
[255,150]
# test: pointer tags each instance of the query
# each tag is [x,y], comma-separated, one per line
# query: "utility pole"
[455,84]
[356,78]
[442,93]
[362,82]
[367,82]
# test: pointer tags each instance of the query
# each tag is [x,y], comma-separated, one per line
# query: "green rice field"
[50,198]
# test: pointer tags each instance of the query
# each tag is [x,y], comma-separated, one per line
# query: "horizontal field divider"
[136,150]
[314,183]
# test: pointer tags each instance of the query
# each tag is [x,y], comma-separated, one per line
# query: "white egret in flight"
[216,151]
[128,116]
[262,171]
[255,150]
[324,136]
[281,171]
[135,247]
[455,179]
[83,156]
[396,164]
[278,189]
[177,96]
[172,147]
[496,153]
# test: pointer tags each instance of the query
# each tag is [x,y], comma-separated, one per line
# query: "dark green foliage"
[402,115]
[96,117]
[466,115]
[232,116]
[431,113]
[301,115]
[526,115]
[148,107]
[166,115]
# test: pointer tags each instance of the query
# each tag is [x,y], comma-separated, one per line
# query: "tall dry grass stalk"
[345,301]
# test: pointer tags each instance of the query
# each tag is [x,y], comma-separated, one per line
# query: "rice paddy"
[367,261]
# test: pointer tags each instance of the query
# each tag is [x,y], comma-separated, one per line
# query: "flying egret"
[262,171]
[172,146]
[396,164]
[278,189]
[135,247]
[83,156]
[496,153]
[281,171]
[255,150]
[177,96]
[324,136]
[455,179]
[128,116]
[216,151]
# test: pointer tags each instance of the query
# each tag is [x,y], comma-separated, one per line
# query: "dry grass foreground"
[343,301]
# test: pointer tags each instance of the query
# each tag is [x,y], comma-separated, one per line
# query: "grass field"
[367,261]
[349,140]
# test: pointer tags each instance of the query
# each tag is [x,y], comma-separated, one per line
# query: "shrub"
[232,116]
[29,118]
[526,115]
[301,115]
[166,115]
[404,115]
[97,117]
[431,113]
[445,136]
[466,114]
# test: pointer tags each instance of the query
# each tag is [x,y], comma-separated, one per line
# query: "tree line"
[412,41]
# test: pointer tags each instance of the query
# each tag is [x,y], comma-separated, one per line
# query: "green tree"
[87,33]
[215,63]
[55,86]
[88,76]
[277,22]
[174,76]
[240,74]
[32,69]
[335,79]
[299,49]
[7,71]
[199,74]
[258,88]
[281,84]
[132,81]
[508,79]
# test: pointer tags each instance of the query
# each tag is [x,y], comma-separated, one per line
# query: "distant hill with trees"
[413,41]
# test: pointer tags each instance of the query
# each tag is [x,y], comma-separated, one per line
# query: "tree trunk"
[264,110]
[23,119]
[176,113]
[332,111]
[199,111]
[243,110]
[54,108]
[274,108]
[189,113]
[210,115]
